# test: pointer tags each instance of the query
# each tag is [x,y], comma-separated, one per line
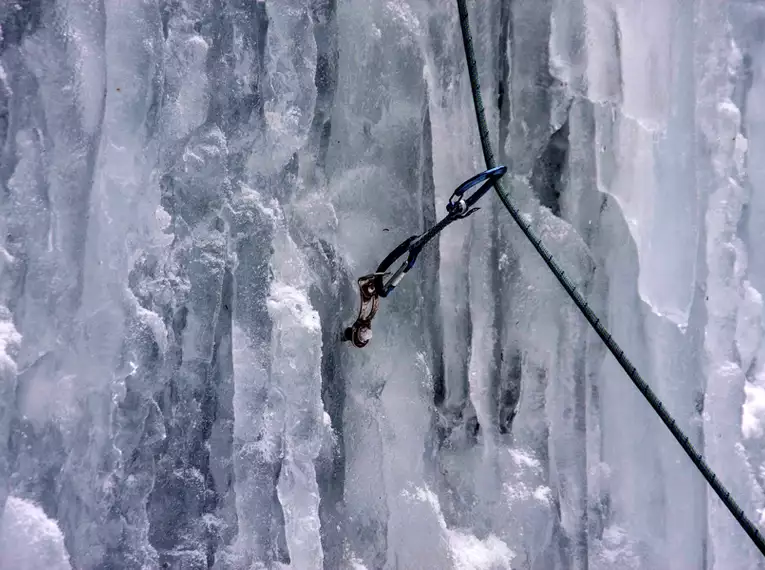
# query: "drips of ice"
[190,191]
[296,351]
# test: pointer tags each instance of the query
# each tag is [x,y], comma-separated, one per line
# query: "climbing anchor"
[381,283]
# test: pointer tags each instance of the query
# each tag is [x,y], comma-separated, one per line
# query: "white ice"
[190,190]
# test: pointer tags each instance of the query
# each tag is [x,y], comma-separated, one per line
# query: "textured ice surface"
[29,540]
[190,189]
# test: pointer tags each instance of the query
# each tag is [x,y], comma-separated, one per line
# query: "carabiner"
[381,282]
[461,207]
[412,250]
[360,332]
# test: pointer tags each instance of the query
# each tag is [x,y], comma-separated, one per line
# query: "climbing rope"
[570,288]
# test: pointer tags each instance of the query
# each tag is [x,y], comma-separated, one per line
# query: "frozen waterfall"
[190,189]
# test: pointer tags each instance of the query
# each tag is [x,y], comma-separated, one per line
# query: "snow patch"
[285,298]
[616,551]
[753,418]
[9,342]
[29,540]
[471,553]
[467,550]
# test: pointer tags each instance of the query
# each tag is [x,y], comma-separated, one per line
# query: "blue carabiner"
[460,206]
[494,173]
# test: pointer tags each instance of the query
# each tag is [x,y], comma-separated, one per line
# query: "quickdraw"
[381,283]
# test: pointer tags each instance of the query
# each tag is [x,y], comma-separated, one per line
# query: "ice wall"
[190,190]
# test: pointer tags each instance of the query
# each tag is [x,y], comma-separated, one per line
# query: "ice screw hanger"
[381,282]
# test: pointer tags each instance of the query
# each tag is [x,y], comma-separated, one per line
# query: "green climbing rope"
[570,288]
